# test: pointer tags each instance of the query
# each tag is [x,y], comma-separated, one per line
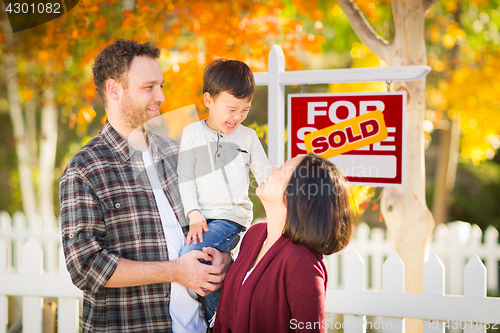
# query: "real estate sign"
[362,133]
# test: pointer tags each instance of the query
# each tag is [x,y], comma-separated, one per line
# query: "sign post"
[379,162]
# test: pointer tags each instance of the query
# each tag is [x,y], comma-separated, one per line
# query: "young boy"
[214,159]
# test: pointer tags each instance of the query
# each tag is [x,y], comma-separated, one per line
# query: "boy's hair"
[231,76]
[319,213]
[114,62]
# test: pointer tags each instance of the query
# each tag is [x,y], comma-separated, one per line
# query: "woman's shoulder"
[302,255]
[255,231]
[258,228]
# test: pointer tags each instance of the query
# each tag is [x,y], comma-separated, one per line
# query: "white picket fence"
[30,254]
[455,243]
[473,312]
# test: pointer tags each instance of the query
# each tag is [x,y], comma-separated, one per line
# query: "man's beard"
[136,116]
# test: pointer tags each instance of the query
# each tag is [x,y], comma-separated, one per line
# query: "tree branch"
[375,43]
[428,4]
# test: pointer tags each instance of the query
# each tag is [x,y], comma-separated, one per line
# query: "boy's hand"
[197,225]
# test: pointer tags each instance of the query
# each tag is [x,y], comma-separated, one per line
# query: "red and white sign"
[378,164]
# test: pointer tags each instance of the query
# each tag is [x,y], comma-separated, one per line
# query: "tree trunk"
[48,144]
[31,132]
[405,211]
[23,158]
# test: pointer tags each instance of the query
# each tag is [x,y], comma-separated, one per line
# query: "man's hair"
[114,62]
[319,213]
[231,76]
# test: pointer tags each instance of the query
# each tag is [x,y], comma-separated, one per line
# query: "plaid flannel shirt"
[108,211]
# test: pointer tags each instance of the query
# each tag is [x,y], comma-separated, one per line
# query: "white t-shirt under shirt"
[185,309]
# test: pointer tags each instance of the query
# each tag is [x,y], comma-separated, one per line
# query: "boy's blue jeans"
[224,236]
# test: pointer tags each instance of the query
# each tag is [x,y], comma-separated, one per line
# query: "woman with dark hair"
[278,282]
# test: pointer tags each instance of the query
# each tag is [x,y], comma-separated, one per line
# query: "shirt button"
[218,155]
[71,235]
[158,231]
[152,199]
[220,146]
[221,136]
[117,205]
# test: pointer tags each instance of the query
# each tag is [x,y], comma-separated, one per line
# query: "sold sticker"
[347,135]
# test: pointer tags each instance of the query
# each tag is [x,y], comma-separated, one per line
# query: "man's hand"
[200,277]
[197,225]
[219,258]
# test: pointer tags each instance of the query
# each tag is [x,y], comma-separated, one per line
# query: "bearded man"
[122,218]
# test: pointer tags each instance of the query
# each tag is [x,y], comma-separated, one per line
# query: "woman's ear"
[284,197]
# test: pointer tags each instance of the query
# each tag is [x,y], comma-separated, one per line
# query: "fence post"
[19,228]
[363,237]
[32,305]
[354,279]
[50,244]
[68,308]
[377,258]
[433,284]
[492,257]
[459,235]
[6,229]
[475,286]
[474,245]
[440,241]
[393,281]
[333,271]
[3,299]
[276,107]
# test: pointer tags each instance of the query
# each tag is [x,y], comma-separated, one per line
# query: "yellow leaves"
[471,94]
[438,65]
[452,35]
[436,99]
[362,57]
[361,197]
[260,130]
[448,41]
[451,5]
[479,2]
[358,51]
[336,10]
[434,34]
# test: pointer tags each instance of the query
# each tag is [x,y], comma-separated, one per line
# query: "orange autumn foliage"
[189,33]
